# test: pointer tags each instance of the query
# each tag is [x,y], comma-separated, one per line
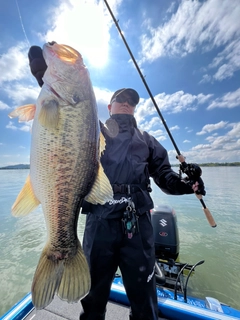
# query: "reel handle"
[208,214]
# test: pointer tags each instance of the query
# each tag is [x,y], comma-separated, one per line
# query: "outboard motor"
[165,231]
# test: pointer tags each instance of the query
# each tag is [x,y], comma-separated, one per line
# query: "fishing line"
[143,79]
[180,157]
[20,18]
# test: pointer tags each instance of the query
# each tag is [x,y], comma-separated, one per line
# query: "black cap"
[132,93]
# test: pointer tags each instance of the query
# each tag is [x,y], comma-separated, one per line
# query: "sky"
[188,52]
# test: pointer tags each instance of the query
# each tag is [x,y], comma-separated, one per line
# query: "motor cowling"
[165,231]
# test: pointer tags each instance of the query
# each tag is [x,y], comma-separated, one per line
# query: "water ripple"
[22,239]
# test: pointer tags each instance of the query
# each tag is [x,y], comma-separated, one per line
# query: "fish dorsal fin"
[101,191]
[49,113]
[24,113]
[26,201]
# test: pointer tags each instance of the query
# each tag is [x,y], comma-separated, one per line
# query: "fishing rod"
[190,170]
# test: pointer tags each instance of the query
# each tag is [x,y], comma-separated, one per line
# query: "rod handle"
[207,212]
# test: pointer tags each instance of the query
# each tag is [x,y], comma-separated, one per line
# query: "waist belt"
[130,188]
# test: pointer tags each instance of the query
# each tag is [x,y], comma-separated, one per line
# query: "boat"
[172,279]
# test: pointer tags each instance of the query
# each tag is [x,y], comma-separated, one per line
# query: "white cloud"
[229,100]
[4,106]
[226,62]
[219,148]
[225,71]
[103,97]
[206,78]
[201,147]
[11,126]
[158,134]
[26,126]
[171,103]
[171,8]
[174,128]
[21,94]
[212,127]
[14,63]
[235,131]
[149,125]
[197,24]
[223,143]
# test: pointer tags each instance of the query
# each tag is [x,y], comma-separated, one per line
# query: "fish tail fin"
[69,278]
[76,281]
[46,280]
[26,200]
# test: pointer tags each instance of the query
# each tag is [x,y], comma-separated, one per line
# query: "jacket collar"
[124,120]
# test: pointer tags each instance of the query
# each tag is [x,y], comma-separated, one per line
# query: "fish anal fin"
[24,113]
[49,113]
[26,200]
[75,283]
[101,191]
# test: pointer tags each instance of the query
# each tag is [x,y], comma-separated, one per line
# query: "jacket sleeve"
[161,172]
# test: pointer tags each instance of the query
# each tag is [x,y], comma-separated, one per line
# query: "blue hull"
[172,309]
[20,310]
[177,309]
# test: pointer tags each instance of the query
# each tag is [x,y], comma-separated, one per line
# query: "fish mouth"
[63,52]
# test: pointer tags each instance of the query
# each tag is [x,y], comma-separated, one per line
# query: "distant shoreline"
[210,164]
[17,166]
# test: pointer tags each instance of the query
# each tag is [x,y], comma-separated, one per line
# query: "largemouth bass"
[64,169]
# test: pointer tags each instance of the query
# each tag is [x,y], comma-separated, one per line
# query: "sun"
[82,26]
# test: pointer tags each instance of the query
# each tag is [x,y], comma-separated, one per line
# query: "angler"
[119,233]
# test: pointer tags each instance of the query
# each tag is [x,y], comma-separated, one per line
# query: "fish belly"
[63,167]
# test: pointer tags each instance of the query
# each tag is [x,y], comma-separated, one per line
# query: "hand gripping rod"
[180,157]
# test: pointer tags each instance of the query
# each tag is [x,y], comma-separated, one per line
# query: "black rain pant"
[107,248]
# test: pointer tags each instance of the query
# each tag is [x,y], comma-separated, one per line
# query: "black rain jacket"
[131,157]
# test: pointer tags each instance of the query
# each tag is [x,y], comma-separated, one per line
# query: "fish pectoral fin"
[69,278]
[49,113]
[24,113]
[101,191]
[76,280]
[26,200]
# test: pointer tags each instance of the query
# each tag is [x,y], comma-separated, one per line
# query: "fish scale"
[68,177]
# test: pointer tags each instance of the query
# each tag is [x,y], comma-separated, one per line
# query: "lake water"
[22,239]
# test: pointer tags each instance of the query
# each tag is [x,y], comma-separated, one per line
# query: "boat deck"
[60,310]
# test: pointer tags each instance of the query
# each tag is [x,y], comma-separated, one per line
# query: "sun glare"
[83,27]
